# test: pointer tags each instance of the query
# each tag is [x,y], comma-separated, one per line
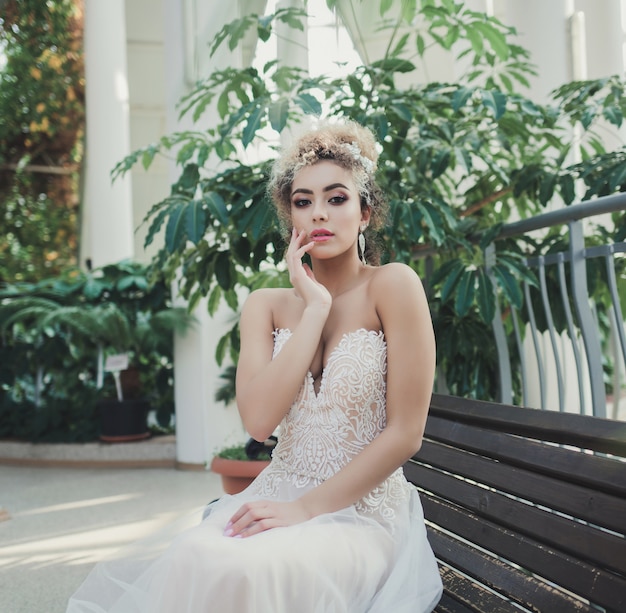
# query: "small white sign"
[117,362]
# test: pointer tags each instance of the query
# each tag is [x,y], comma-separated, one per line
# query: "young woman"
[344,362]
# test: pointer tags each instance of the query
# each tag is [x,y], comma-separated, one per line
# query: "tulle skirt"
[341,562]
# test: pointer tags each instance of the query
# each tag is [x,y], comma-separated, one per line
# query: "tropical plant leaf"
[509,285]
[465,293]
[308,103]
[223,272]
[460,98]
[220,349]
[451,279]
[394,64]
[485,296]
[186,184]
[496,39]
[496,101]
[195,220]
[155,226]
[278,113]
[613,115]
[175,229]
[254,123]
[214,300]
[216,206]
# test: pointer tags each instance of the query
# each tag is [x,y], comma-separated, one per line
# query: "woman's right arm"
[266,387]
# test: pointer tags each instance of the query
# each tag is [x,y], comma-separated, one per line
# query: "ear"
[366,213]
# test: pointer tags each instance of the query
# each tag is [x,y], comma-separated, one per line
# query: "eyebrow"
[303,190]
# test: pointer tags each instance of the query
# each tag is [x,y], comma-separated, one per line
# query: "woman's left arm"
[403,311]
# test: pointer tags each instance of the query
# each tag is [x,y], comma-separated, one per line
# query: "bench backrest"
[526,509]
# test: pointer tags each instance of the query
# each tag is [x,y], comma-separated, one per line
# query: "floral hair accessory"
[355,151]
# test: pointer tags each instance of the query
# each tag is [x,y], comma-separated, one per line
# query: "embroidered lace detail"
[322,432]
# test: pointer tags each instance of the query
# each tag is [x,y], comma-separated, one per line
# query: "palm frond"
[24,309]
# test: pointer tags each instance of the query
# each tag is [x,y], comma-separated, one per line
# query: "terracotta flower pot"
[237,474]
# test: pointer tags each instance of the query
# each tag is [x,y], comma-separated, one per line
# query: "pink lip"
[321,235]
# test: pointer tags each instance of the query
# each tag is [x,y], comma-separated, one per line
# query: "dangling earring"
[362,243]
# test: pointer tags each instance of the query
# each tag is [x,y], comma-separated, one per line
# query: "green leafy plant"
[42,106]
[457,159]
[58,333]
[238,452]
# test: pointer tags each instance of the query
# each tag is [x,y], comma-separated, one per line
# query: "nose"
[320,212]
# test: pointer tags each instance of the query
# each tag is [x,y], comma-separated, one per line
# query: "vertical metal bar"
[617,370]
[617,309]
[550,321]
[504,359]
[522,357]
[617,321]
[571,331]
[588,329]
[535,337]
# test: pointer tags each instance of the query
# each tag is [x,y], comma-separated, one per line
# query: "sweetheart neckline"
[378,334]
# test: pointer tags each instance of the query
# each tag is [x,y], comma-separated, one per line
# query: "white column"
[107,223]
[203,425]
[292,47]
[604,36]
[363,21]
[543,30]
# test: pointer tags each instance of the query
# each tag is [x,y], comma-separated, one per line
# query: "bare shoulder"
[267,297]
[265,305]
[394,277]
[398,295]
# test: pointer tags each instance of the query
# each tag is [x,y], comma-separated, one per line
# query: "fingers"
[308,271]
[294,255]
[296,247]
[250,519]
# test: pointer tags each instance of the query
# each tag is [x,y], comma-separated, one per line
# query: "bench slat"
[462,596]
[448,604]
[525,503]
[599,586]
[524,589]
[569,465]
[599,508]
[603,435]
[600,548]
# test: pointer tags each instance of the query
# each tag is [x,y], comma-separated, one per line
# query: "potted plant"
[239,465]
[129,339]
[56,335]
[131,348]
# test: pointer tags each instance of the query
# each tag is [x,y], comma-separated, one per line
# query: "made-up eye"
[300,202]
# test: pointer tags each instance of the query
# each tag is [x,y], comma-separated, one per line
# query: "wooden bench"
[525,509]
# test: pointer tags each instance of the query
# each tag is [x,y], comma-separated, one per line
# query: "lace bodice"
[323,431]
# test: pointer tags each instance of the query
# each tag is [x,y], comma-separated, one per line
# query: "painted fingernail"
[228,531]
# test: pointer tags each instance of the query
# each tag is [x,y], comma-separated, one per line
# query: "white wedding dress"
[370,557]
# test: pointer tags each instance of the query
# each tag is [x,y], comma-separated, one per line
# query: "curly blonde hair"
[347,144]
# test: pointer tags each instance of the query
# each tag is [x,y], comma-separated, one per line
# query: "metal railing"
[575,355]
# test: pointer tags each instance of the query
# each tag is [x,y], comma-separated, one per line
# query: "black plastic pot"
[125,420]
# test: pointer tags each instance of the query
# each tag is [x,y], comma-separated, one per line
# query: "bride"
[344,362]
